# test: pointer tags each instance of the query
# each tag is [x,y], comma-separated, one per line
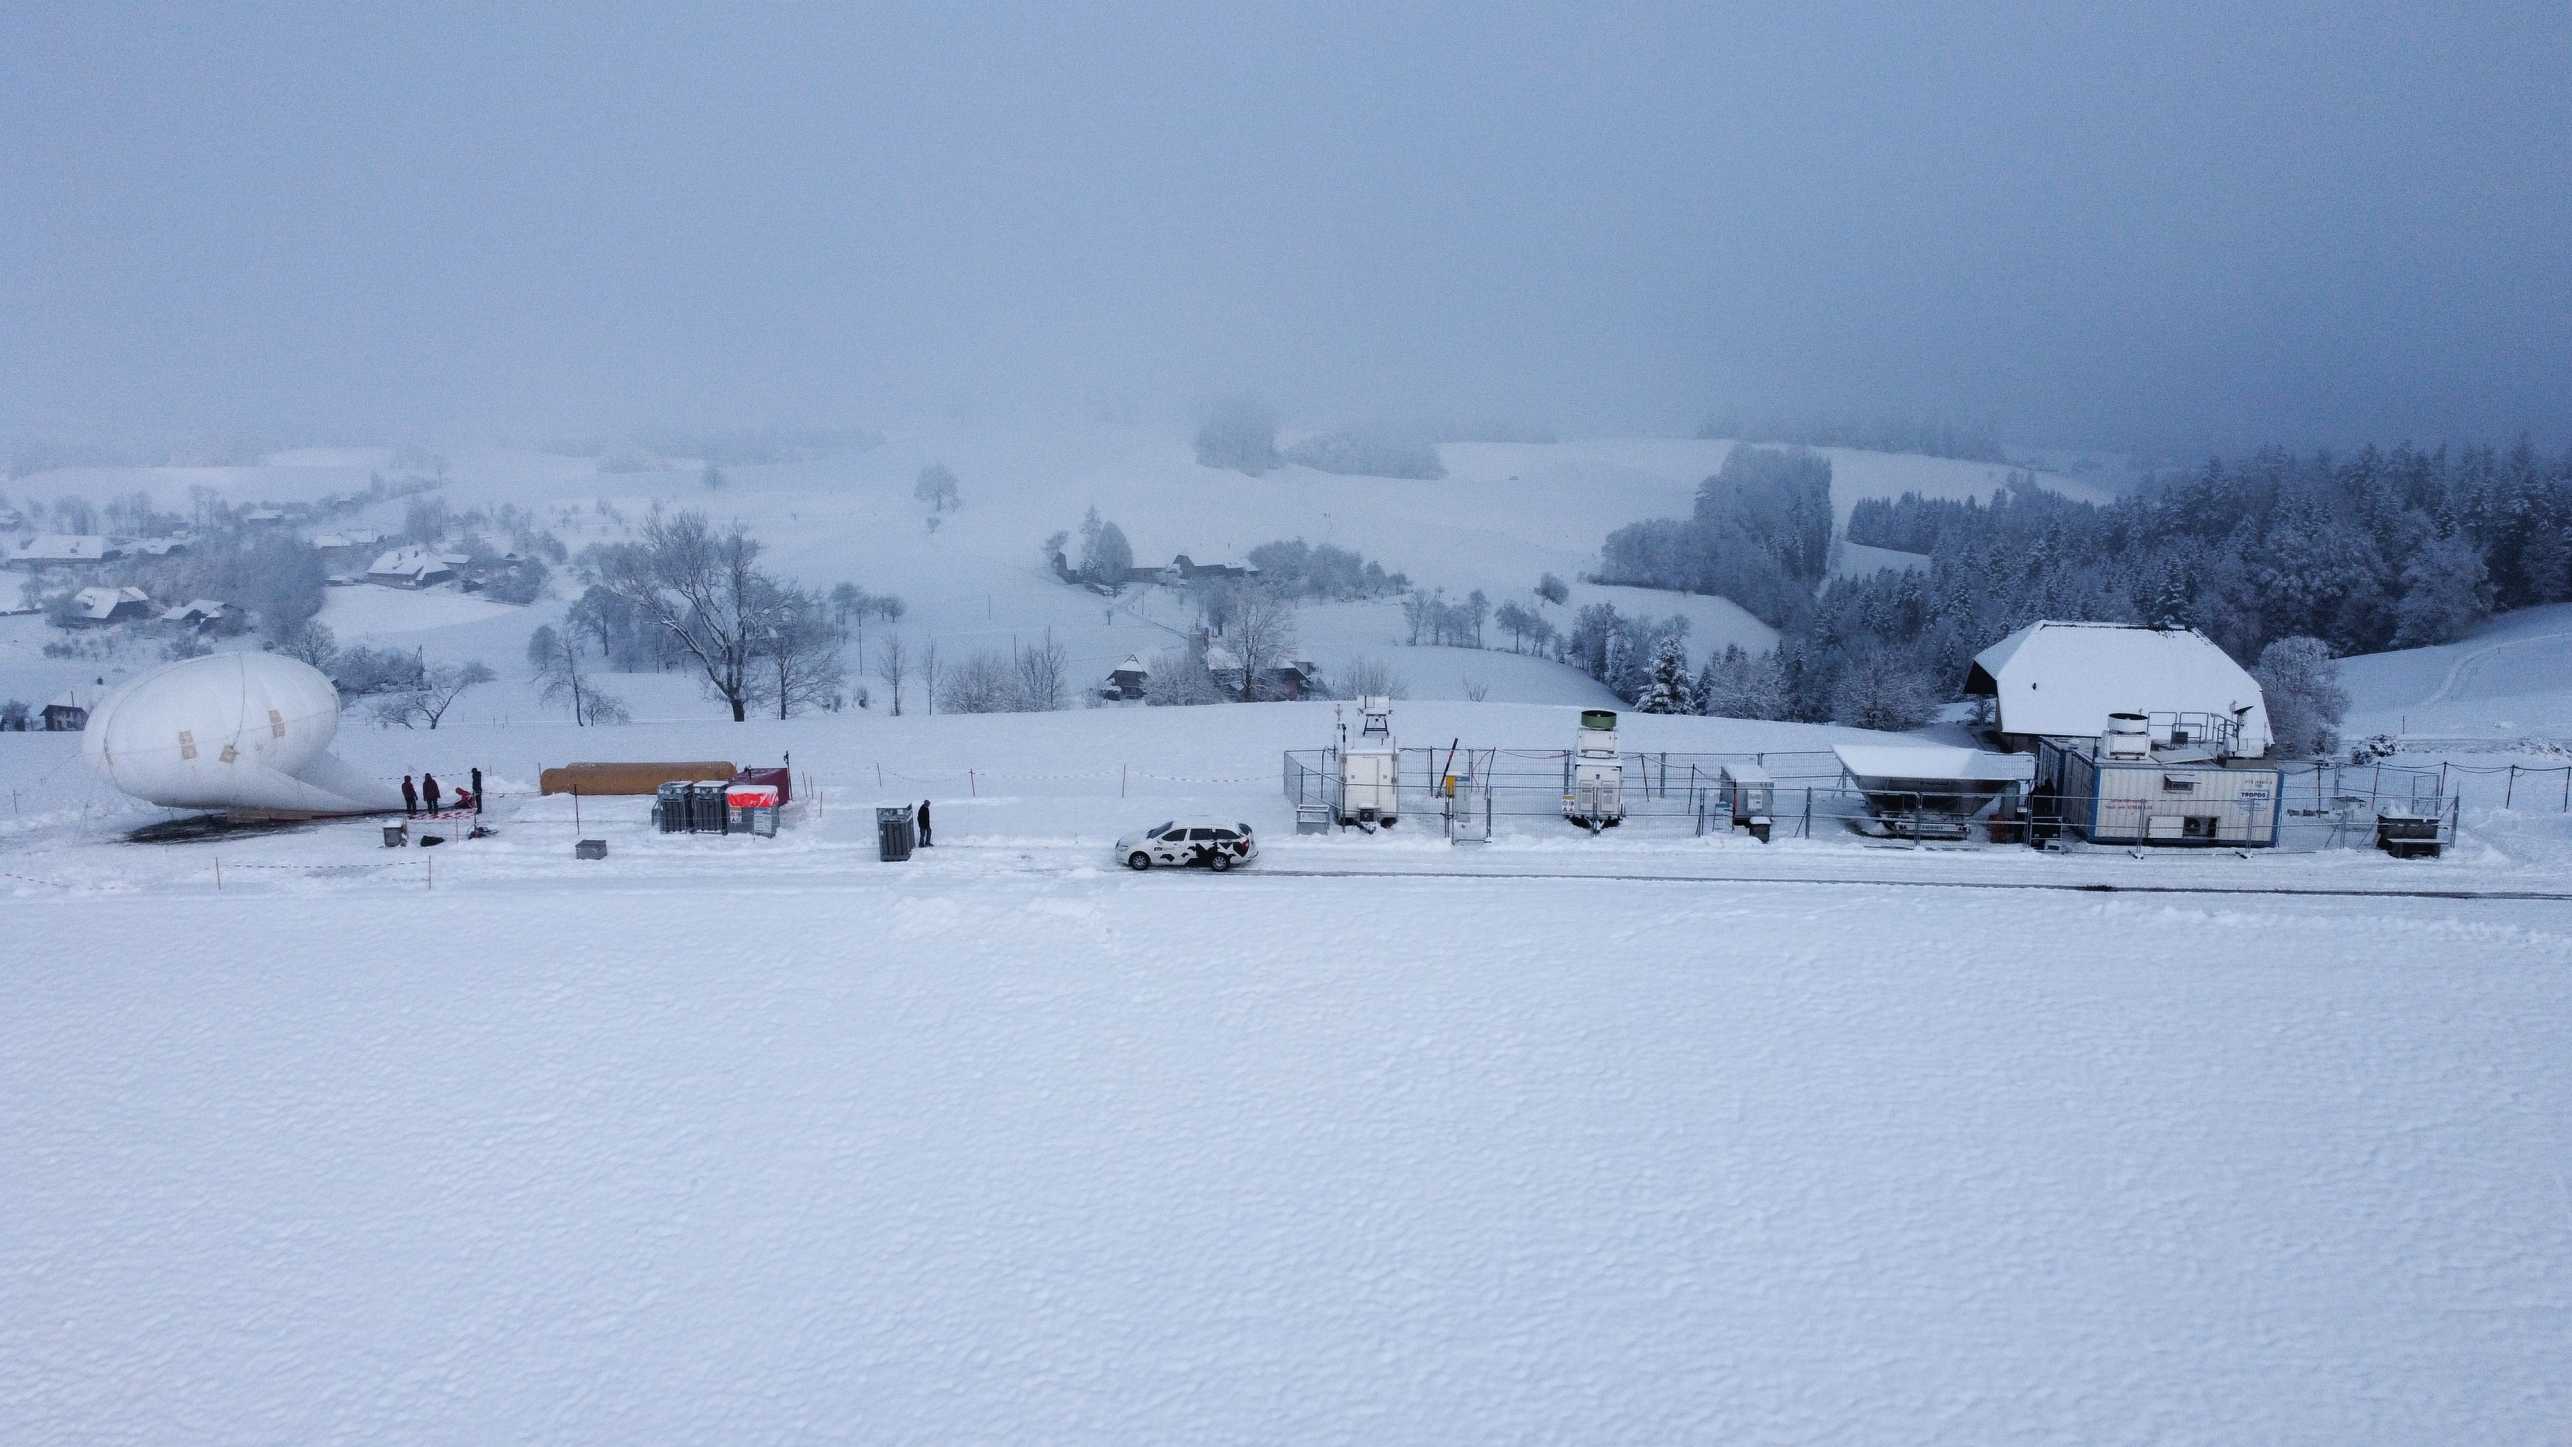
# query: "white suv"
[1189,841]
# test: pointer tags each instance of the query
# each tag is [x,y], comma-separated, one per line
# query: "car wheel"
[1138,861]
[1222,861]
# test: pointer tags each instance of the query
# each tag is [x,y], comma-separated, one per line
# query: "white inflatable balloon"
[245,732]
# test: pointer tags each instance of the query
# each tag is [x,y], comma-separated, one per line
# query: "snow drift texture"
[248,732]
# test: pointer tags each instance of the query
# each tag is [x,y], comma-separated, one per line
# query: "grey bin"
[590,849]
[396,835]
[897,832]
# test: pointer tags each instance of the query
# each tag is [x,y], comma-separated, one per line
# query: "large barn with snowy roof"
[2141,735]
[2063,680]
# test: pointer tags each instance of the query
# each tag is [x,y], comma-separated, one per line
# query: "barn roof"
[2064,679]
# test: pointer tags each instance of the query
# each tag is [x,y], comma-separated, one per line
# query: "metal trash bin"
[590,849]
[396,835]
[897,832]
[670,807]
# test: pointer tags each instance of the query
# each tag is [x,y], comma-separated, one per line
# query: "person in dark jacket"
[477,792]
[924,823]
[429,790]
[410,796]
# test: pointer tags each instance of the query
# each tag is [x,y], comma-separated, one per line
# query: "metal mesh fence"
[1474,791]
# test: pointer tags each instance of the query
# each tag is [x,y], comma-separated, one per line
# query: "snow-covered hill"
[1506,514]
[2507,683]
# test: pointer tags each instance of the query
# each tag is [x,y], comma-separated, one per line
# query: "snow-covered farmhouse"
[1224,666]
[2062,680]
[2142,735]
[347,543]
[69,713]
[1292,680]
[1127,680]
[196,613]
[412,566]
[1184,570]
[97,607]
[53,550]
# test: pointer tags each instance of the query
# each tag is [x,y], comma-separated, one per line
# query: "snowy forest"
[2362,552]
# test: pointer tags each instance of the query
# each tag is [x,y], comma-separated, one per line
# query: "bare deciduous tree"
[702,589]
[1263,629]
[1040,674]
[799,657]
[423,704]
[893,664]
[310,642]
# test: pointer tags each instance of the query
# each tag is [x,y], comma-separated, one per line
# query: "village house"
[1225,667]
[198,613]
[69,713]
[411,566]
[1188,572]
[1127,680]
[1293,680]
[51,550]
[348,544]
[98,607]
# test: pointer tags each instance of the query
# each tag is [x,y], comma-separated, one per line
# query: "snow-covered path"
[1104,1158]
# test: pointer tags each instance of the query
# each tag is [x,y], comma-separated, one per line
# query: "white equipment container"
[1371,767]
[1595,796]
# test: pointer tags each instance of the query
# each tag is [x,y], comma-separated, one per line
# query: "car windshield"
[1157,831]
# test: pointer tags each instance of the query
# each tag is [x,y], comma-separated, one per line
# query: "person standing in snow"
[924,823]
[477,792]
[410,796]
[429,787]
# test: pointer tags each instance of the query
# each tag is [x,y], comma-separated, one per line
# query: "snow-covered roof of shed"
[1930,761]
[2064,679]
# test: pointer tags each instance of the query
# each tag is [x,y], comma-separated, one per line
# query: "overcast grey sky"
[2179,224]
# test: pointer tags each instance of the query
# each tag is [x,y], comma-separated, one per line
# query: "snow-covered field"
[955,1152]
[1640,1137]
